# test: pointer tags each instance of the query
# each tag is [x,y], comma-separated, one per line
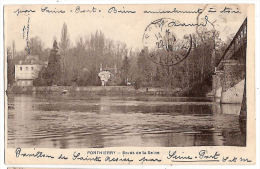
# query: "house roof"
[31,60]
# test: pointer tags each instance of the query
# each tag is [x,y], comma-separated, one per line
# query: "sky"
[124,27]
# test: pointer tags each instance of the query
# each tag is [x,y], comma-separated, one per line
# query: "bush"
[137,83]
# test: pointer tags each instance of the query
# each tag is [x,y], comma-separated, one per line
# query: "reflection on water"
[113,121]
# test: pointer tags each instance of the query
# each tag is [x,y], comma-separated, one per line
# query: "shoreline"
[98,90]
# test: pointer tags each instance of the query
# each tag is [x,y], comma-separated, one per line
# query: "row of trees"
[80,64]
[207,48]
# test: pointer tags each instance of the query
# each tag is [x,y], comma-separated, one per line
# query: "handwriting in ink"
[38,154]
[24,11]
[177,23]
[245,160]
[26,31]
[122,11]
[234,159]
[175,10]
[228,10]
[77,156]
[173,155]
[144,159]
[46,9]
[203,154]
[212,10]
[62,157]
[78,9]
[116,159]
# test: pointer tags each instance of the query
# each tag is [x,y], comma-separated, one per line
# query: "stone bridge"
[229,78]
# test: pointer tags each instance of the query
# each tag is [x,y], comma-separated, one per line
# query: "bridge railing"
[239,40]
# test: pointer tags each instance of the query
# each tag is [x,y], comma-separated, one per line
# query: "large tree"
[64,45]
[36,47]
[10,67]
[54,67]
[145,67]
[125,70]
[64,40]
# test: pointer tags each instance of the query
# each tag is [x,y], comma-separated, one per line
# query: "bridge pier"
[233,81]
[243,112]
[217,80]
[228,84]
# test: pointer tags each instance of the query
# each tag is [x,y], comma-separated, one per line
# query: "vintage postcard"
[38,168]
[41,168]
[129,84]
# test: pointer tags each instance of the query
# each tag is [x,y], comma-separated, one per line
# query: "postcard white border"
[108,2]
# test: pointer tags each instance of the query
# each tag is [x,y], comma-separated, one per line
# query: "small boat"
[64,91]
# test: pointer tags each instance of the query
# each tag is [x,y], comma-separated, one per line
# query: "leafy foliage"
[79,64]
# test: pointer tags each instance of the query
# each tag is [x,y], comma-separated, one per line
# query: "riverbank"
[98,90]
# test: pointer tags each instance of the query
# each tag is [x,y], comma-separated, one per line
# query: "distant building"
[112,70]
[113,75]
[26,71]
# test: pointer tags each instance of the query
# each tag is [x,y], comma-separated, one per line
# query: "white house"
[26,71]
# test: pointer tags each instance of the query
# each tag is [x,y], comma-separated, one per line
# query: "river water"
[81,121]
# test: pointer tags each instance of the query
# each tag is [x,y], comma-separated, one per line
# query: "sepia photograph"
[98,76]
[45,168]
[50,168]
[38,168]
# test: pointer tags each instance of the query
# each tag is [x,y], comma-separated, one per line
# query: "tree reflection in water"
[82,121]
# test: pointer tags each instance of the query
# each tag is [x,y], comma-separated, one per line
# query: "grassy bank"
[98,90]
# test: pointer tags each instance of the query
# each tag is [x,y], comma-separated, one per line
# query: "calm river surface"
[65,121]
